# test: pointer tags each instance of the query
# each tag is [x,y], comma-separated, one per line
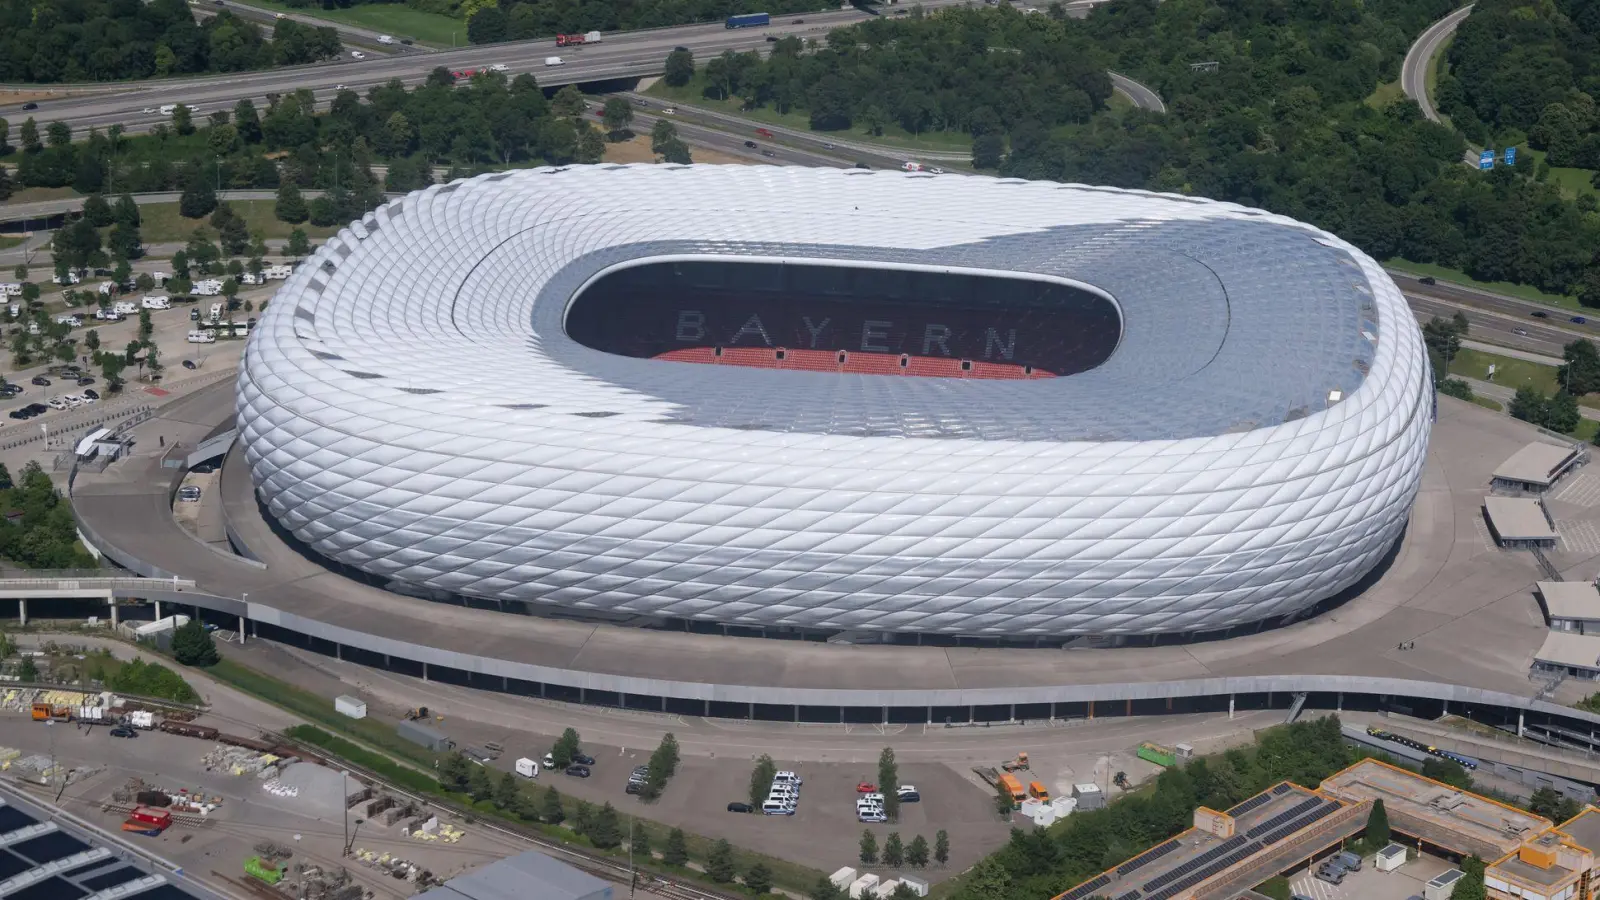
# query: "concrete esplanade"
[1465,606]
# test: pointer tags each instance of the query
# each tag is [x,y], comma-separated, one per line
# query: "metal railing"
[93,579]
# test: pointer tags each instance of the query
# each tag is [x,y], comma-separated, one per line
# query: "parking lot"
[1370,884]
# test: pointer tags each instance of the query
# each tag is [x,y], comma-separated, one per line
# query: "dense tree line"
[107,40]
[1519,66]
[489,21]
[970,71]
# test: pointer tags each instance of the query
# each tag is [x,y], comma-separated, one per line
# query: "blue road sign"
[1486,159]
[1511,156]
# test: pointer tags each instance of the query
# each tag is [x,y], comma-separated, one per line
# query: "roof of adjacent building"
[1450,817]
[1565,649]
[528,874]
[1518,519]
[1570,599]
[1536,463]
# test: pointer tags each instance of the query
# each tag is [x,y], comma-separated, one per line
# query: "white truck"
[142,718]
[527,768]
[207,288]
[74,321]
[106,287]
[385,38]
[126,308]
[202,337]
[13,289]
[72,278]
[216,311]
[275,273]
[156,301]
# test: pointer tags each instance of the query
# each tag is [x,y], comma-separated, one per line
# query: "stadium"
[840,401]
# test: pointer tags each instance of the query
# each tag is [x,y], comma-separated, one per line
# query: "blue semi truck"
[749,20]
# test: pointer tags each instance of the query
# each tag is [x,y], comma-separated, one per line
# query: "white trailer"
[527,768]
[347,705]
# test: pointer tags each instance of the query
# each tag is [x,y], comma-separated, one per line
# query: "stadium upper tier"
[1237,433]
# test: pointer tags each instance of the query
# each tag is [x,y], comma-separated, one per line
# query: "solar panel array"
[1282,787]
[57,865]
[1303,822]
[1195,877]
[1200,861]
[1293,812]
[1139,862]
[1250,804]
[1087,889]
[1131,895]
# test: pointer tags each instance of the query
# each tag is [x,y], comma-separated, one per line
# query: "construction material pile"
[240,761]
[434,830]
[277,788]
[312,882]
[391,865]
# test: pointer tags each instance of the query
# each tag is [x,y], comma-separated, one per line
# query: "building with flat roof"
[1448,819]
[529,874]
[1225,854]
[1573,655]
[1571,606]
[1557,864]
[1536,467]
[1519,522]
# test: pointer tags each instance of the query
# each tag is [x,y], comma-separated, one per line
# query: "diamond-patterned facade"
[411,406]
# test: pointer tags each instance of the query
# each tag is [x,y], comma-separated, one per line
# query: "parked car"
[91,394]
[39,380]
[578,771]
[583,759]
[123,731]
[10,390]
[189,493]
[85,380]
[866,787]
[740,807]
[189,364]
[908,794]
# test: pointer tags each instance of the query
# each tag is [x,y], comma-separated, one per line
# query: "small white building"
[844,877]
[1537,467]
[1442,885]
[1571,606]
[1390,858]
[346,705]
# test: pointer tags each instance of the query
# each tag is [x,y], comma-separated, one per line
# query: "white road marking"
[1579,536]
[1582,489]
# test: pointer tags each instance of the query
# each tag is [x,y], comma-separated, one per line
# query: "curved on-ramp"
[1420,58]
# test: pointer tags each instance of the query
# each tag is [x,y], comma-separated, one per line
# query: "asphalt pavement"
[1414,71]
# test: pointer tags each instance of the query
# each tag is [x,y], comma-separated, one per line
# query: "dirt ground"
[638,151]
[8,97]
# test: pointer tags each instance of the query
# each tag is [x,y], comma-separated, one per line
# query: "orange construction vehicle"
[1020,763]
[1038,792]
[1012,786]
[44,712]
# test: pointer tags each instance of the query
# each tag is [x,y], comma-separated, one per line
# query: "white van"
[156,301]
[10,289]
[776,808]
[107,315]
[169,109]
[385,38]
[554,61]
[202,337]
[216,311]
[74,321]
[126,307]
[72,278]
[16,310]
[241,329]
[106,287]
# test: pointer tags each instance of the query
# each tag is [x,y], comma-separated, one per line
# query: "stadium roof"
[1536,463]
[1518,519]
[1570,599]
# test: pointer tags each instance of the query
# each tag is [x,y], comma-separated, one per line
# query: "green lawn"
[1512,373]
[387,18]
[1385,94]
[1573,182]
[162,224]
[7,242]
[893,136]
[35,194]
[1486,403]
[1456,276]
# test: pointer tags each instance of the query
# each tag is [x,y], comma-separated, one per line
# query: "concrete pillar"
[244,627]
[1127,707]
[1340,707]
[22,613]
[338,649]
[1091,709]
[158,610]
[1012,715]
[113,605]
[749,708]
[1446,707]
[1230,707]
[1169,704]
[1520,722]
[424,671]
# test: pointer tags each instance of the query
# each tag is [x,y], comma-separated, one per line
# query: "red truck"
[573,40]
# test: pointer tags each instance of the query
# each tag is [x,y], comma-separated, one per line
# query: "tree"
[639,841]
[678,71]
[889,783]
[1443,339]
[1561,414]
[551,810]
[192,645]
[506,794]
[566,747]
[591,147]
[676,151]
[1581,373]
[617,116]
[869,847]
[27,670]
[182,122]
[126,212]
[92,342]
[1378,825]
[125,241]
[758,879]
[568,103]
[1470,886]
[894,852]
[676,853]
[5,485]
[97,211]
[145,325]
[987,150]
[480,786]
[719,863]
[825,889]
[29,136]
[291,206]
[58,134]
[1529,405]
[582,817]
[917,852]
[1003,803]
[605,831]
[761,779]
[663,765]
[199,198]
[1553,805]
[299,245]
[941,847]
[661,133]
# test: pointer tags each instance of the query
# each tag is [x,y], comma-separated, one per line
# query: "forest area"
[111,40]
